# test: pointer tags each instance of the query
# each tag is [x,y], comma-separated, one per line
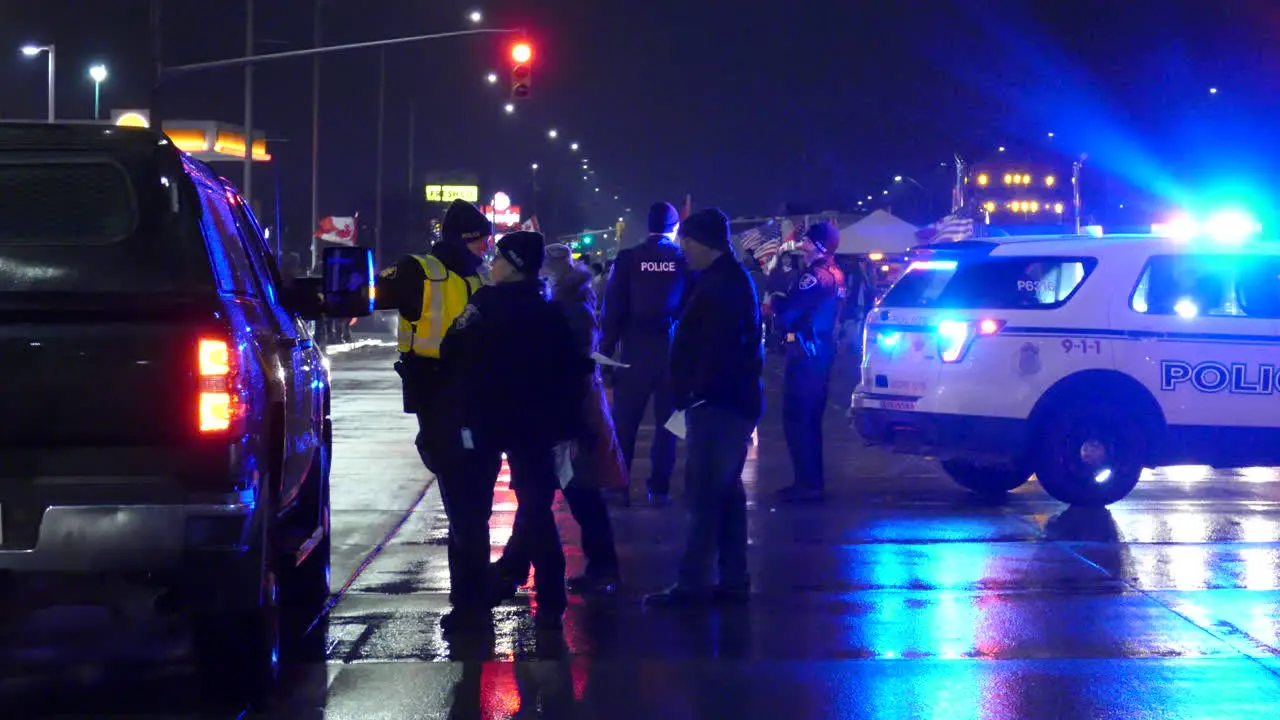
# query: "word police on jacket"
[1215,377]
[657,267]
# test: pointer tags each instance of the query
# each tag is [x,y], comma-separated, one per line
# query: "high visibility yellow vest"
[444,295]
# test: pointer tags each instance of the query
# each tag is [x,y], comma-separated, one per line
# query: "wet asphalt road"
[899,597]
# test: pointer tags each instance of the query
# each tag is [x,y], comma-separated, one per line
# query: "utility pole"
[315,134]
[382,122]
[157,67]
[413,130]
[248,105]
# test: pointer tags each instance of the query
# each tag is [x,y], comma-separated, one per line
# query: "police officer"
[516,383]
[809,314]
[429,291]
[644,296]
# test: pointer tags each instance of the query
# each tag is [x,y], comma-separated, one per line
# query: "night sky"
[743,105]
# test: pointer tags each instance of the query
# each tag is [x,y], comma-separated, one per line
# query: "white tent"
[881,232]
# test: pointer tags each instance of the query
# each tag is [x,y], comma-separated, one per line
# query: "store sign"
[449,193]
[508,218]
[131,118]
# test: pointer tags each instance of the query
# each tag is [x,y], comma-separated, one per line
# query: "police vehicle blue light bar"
[1230,227]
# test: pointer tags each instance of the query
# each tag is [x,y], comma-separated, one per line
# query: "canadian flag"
[531,224]
[340,230]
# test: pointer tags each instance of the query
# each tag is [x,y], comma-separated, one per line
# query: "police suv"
[1079,360]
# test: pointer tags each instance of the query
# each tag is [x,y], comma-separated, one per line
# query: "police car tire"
[985,481]
[1058,466]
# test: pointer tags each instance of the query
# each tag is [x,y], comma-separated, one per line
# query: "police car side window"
[1209,286]
[1009,283]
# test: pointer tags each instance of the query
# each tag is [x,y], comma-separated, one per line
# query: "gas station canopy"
[204,140]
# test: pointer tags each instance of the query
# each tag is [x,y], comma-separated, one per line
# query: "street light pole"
[315,134]
[52,82]
[382,122]
[34,51]
[248,106]
[97,73]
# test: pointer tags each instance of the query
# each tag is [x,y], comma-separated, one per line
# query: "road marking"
[336,597]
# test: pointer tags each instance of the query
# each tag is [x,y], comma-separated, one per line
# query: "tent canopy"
[881,232]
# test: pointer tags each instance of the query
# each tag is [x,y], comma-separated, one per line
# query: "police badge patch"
[807,281]
[468,315]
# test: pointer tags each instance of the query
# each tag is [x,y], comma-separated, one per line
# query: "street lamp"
[574,147]
[1213,91]
[508,108]
[476,16]
[97,73]
[553,134]
[897,178]
[34,50]
[534,166]
[597,189]
[492,78]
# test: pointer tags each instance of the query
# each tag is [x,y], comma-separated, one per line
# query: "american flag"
[763,243]
[951,228]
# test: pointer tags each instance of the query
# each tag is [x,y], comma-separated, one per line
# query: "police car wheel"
[1091,455]
[985,480]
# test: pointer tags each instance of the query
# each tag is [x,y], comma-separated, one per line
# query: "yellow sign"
[449,193]
[133,118]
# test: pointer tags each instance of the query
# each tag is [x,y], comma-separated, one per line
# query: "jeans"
[717,450]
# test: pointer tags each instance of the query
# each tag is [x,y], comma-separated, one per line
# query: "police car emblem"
[807,281]
[468,315]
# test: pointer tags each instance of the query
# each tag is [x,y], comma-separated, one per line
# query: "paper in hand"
[676,424]
[564,464]
[607,361]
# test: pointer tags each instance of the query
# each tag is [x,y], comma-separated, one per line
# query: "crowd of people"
[505,363]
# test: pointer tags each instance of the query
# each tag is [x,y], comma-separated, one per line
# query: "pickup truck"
[164,411]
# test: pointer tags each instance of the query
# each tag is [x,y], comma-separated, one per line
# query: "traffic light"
[521,70]
[586,240]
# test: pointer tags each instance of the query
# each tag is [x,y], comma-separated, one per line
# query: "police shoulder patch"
[388,274]
[468,316]
[807,281]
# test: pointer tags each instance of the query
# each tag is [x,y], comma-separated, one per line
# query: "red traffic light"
[521,52]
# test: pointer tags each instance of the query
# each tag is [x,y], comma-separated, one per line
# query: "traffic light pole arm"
[211,65]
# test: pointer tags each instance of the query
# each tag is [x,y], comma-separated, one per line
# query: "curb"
[359,345]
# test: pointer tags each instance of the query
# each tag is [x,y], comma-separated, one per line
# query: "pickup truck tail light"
[955,336]
[219,403]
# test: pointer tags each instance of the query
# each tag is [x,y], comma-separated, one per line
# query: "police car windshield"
[991,283]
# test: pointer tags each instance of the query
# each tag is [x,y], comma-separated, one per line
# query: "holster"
[420,380]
